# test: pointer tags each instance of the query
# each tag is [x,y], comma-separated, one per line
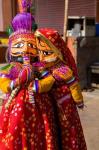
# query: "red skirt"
[71,133]
[27,126]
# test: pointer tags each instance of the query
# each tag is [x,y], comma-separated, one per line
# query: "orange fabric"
[46,84]
[5,85]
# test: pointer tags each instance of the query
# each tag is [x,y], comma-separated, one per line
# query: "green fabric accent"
[6,67]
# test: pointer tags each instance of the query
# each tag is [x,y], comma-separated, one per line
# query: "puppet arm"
[44,84]
[14,70]
[66,74]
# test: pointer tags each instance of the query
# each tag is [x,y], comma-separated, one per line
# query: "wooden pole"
[97,11]
[65,20]
[14,7]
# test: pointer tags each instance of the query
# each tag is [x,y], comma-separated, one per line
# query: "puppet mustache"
[21,53]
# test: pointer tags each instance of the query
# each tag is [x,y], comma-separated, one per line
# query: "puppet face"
[46,54]
[23,46]
[20,46]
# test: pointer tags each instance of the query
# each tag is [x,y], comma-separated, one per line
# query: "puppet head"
[52,48]
[22,40]
[48,53]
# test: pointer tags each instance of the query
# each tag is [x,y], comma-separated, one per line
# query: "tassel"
[13,93]
[31,96]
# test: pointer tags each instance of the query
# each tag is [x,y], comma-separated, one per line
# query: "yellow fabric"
[4,41]
[76,92]
[46,84]
[4,84]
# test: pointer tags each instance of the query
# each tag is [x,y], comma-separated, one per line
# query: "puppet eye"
[47,53]
[31,45]
[39,51]
[18,45]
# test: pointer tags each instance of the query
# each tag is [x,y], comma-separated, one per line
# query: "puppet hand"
[25,75]
[80,106]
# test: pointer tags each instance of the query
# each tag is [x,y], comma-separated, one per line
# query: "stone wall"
[87,53]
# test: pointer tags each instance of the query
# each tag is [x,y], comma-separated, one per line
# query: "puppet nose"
[41,56]
[25,50]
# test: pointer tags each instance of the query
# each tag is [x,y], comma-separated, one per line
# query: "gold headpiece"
[24,5]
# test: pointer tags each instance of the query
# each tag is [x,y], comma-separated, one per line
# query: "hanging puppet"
[66,92]
[27,120]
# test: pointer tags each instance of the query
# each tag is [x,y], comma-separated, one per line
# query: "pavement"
[89,118]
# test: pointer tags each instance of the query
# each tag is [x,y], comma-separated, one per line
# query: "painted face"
[23,46]
[46,54]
